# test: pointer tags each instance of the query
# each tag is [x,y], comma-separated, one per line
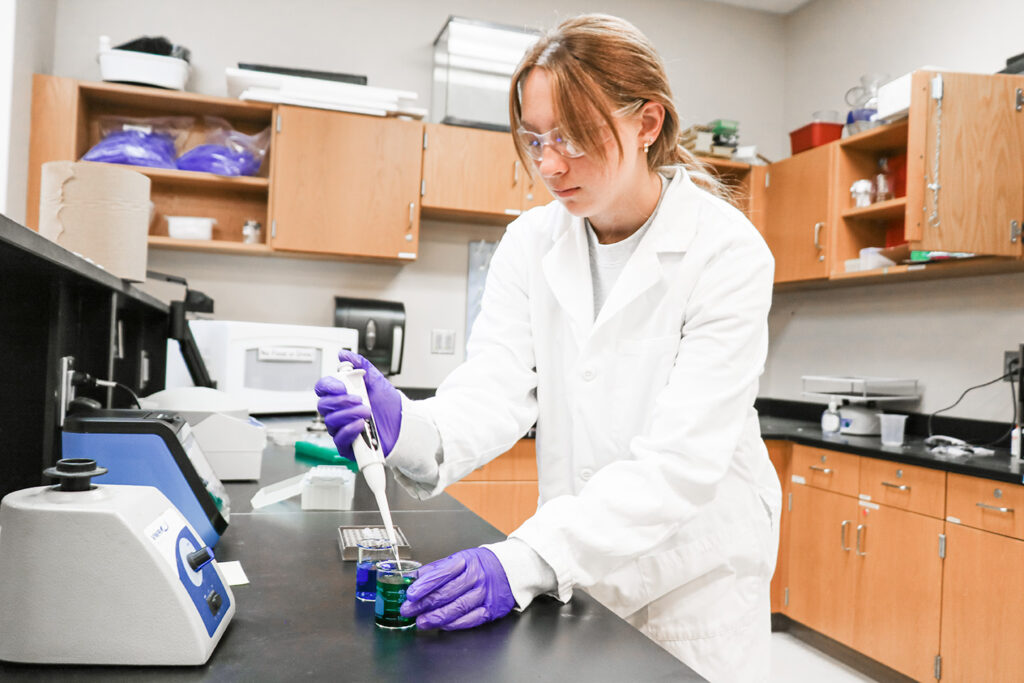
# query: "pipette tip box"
[350,536]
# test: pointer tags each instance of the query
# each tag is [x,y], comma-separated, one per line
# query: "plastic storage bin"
[813,135]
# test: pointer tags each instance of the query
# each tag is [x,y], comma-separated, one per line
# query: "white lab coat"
[656,492]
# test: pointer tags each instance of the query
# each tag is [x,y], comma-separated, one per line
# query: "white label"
[954,520]
[407,255]
[286,354]
[513,212]
[797,479]
[864,496]
[864,503]
[163,533]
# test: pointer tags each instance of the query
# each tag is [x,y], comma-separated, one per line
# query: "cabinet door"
[471,171]
[780,452]
[796,214]
[346,184]
[823,564]
[899,589]
[978,134]
[982,604]
[503,504]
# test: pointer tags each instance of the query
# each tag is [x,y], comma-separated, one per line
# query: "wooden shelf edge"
[891,208]
[212,246]
[199,179]
[883,137]
[118,91]
[978,266]
[461,216]
[723,163]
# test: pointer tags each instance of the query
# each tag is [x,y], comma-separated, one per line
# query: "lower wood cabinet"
[503,492]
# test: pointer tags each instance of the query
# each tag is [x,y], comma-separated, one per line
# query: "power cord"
[1012,374]
[85,379]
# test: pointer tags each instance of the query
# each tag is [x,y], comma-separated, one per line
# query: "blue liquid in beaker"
[366,581]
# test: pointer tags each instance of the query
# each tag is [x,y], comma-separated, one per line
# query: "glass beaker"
[371,551]
[393,578]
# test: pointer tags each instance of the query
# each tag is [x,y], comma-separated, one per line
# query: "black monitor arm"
[180,332]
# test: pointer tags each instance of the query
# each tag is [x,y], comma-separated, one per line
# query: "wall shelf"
[211,246]
[887,210]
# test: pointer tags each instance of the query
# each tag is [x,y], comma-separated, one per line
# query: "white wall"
[26,47]
[951,335]
[704,45]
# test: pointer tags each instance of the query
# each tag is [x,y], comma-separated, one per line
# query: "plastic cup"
[892,429]
[371,551]
[393,578]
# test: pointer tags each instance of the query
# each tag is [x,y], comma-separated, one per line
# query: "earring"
[647,145]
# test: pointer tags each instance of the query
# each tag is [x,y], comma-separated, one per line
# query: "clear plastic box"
[473,66]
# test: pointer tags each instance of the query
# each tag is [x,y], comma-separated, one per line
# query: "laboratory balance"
[852,400]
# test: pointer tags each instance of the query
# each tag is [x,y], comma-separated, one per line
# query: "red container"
[813,135]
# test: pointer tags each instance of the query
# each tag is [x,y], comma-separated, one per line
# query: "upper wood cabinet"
[471,173]
[345,184]
[796,219]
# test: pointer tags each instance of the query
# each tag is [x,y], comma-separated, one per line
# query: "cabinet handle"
[412,212]
[993,507]
[860,528]
[901,487]
[817,235]
[515,173]
[823,470]
[842,535]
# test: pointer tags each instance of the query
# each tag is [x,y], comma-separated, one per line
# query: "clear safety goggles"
[534,143]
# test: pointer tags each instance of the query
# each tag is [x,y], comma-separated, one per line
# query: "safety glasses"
[534,143]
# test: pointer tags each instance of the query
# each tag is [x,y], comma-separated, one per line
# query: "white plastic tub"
[190,227]
[126,66]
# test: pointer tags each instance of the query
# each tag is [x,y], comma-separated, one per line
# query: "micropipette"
[367,448]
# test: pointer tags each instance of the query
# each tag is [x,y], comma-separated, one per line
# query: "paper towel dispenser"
[381,328]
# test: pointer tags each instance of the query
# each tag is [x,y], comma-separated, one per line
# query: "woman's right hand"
[345,414]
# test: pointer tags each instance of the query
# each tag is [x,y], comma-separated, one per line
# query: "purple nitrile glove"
[463,590]
[344,414]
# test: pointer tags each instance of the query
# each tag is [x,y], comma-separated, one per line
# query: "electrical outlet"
[1008,358]
[442,341]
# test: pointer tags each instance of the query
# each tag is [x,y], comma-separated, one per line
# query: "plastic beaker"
[393,578]
[892,429]
[371,551]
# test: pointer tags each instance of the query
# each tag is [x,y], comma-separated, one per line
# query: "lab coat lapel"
[671,232]
[567,271]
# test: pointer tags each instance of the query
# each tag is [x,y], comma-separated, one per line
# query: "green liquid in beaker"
[390,596]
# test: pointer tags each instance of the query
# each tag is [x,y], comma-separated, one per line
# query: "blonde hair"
[601,66]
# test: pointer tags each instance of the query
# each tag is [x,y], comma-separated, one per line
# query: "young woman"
[627,320]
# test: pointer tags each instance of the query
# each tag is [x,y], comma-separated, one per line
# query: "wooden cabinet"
[504,491]
[865,574]
[66,116]
[345,184]
[982,604]
[797,211]
[470,173]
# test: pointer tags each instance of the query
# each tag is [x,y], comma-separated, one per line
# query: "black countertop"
[912,452]
[298,617]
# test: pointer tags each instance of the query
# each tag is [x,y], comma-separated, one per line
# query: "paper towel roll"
[99,211]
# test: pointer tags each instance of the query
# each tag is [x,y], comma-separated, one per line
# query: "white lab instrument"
[855,419]
[367,449]
[105,574]
[232,441]
[325,487]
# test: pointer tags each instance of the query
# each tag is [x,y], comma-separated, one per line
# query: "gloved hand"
[344,414]
[463,590]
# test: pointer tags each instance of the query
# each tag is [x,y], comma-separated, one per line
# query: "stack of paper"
[262,86]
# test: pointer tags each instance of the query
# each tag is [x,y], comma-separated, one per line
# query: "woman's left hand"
[463,590]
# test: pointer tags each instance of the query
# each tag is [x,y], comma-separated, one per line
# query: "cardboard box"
[99,211]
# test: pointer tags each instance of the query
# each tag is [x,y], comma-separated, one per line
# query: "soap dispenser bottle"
[830,421]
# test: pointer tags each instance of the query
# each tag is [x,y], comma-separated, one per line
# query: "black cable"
[83,378]
[968,390]
[1013,423]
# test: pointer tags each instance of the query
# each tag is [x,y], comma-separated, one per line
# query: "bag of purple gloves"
[227,151]
[140,141]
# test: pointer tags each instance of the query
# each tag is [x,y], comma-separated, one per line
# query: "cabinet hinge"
[278,123]
[423,188]
[767,179]
[273,228]
[789,501]
[942,546]
[938,667]
[785,598]
[1014,231]
[937,87]
[424,139]
[1020,99]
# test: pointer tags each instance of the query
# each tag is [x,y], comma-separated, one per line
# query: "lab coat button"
[586,473]
[588,374]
